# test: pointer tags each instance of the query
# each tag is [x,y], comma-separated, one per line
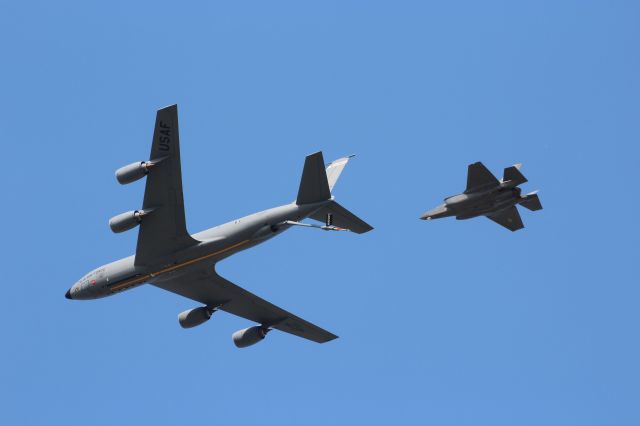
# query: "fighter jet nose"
[68,294]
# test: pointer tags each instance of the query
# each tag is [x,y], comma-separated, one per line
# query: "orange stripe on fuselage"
[174,267]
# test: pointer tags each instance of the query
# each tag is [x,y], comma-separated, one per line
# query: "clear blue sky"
[440,323]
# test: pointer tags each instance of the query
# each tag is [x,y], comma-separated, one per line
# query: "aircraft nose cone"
[68,294]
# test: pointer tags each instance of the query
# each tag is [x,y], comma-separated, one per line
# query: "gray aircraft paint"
[213,245]
[487,196]
[169,258]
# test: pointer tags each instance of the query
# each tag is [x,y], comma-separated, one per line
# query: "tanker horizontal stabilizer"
[341,218]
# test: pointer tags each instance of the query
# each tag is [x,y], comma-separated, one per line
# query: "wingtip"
[330,338]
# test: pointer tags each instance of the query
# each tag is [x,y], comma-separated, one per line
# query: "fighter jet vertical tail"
[513,175]
[531,201]
[314,186]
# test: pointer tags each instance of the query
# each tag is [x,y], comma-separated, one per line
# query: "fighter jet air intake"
[170,258]
[487,196]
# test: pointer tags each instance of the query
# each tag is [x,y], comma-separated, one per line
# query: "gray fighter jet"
[168,257]
[487,196]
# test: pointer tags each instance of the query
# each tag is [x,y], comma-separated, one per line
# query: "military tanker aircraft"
[168,257]
[487,196]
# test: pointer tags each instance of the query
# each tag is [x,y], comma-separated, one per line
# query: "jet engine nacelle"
[125,221]
[249,336]
[133,172]
[194,317]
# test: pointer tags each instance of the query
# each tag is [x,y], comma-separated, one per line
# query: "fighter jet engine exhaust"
[249,336]
[194,317]
[125,221]
[133,172]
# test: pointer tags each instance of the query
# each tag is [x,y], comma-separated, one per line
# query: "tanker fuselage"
[214,245]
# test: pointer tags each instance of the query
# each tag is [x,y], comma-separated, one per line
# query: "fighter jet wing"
[163,230]
[509,218]
[479,177]
[211,289]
